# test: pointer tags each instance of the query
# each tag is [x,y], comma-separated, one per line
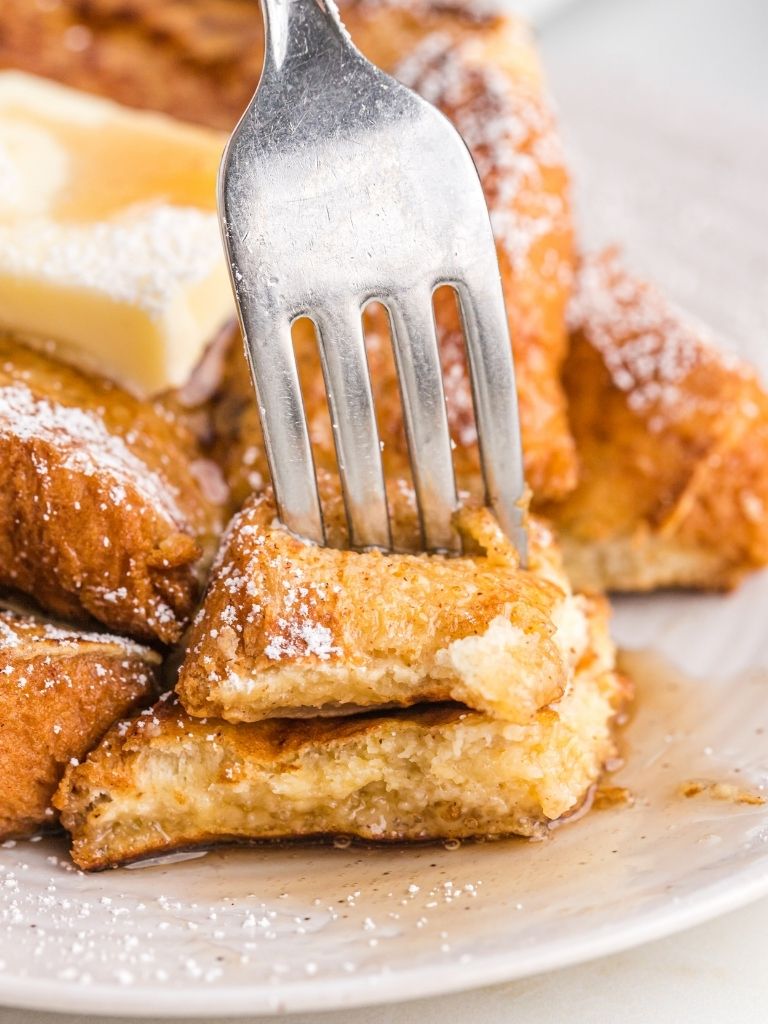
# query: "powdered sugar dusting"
[182,928]
[510,132]
[649,347]
[84,443]
[142,258]
[250,568]
[300,639]
[26,631]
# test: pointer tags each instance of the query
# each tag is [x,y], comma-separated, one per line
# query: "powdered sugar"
[301,638]
[247,572]
[84,445]
[648,345]
[22,631]
[509,131]
[142,258]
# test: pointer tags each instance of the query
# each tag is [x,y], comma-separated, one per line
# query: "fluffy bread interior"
[166,780]
[288,629]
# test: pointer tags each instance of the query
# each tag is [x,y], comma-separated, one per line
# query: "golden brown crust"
[60,690]
[627,526]
[673,441]
[102,515]
[200,59]
[288,628]
[168,781]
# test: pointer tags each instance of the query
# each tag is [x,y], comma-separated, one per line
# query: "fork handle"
[295,30]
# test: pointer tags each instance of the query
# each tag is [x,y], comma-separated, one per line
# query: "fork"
[338,187]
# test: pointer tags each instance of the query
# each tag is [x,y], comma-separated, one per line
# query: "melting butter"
[109,241]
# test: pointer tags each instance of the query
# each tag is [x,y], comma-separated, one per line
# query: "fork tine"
[345,368]
[269,348]
[426,422]
[495,397]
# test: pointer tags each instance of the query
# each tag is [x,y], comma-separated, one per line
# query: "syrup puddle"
[682,730]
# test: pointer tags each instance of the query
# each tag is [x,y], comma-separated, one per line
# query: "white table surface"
[695,216]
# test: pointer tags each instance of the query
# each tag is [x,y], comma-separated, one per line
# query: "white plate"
[256,931]
[261,930]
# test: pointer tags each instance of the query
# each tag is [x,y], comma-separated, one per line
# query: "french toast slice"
[289,629]
[167,781]
[105,512]
[60,690]
[673,441]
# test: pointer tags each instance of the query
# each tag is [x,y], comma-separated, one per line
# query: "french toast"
[60,690]
[168,781]
[625,526]
[106,512]
[324,691]
[289,629]
[200,60]
[673,442]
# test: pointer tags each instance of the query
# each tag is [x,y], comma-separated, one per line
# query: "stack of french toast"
[176,668]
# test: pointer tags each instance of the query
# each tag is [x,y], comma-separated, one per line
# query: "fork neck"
[295,30]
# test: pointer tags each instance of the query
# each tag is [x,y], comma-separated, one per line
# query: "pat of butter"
[109,240]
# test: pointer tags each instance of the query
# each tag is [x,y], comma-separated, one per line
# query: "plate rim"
[388,988]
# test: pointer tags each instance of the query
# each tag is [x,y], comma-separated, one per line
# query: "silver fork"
[340,186]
